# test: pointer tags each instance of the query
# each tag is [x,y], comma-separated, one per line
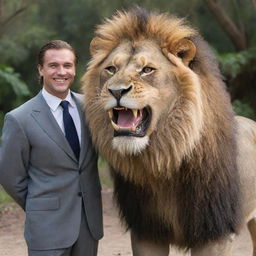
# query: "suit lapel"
[45,119]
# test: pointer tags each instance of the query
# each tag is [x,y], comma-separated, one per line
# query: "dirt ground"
[115,242]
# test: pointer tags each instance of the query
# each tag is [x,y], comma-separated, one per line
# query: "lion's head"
[136,101]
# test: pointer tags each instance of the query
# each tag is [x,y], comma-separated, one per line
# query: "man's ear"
[39,68]
[184,49]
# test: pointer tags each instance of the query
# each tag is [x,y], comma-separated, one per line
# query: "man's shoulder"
[79,96]
[24,108]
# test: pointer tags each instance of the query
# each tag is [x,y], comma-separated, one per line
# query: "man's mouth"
[130,122]
[60,80]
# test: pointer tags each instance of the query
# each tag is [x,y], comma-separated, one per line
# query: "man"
[48,164]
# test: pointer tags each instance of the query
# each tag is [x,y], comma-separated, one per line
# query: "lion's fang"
[116,127]
[135,112]
[110,114]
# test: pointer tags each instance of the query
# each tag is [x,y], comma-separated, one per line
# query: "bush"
[243,109]
[4,197]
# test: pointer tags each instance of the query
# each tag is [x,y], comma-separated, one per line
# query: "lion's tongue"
[127,119]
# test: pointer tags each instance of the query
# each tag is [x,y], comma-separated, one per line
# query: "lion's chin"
[127,145]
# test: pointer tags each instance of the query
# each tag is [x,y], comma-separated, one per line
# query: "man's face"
[58,71]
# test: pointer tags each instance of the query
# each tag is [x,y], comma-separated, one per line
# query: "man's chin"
[61,86]
[59,91]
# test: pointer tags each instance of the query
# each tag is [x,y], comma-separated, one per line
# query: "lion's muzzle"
[130,122]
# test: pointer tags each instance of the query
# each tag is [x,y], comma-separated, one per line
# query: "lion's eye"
[147,70]
[111,70]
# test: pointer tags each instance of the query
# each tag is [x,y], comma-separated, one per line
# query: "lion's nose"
[119,93]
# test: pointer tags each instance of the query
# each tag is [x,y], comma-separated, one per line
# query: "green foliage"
[9,78]
[11,51]
[243,109]
[12,91]
[240,71]
[232,64]
[75,22]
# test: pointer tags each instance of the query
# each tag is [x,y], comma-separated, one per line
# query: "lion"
[183,164]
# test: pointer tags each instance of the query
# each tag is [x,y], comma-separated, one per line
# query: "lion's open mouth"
[130,122]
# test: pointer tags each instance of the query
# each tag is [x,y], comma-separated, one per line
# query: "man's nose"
[61,71]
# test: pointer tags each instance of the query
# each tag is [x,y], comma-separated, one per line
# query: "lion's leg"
[252,228]
[148,248]
[223,248]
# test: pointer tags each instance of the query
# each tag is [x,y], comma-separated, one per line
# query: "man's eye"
[147,70]
[111,70]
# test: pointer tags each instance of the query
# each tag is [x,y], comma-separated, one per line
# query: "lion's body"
[246,139]
[180,162]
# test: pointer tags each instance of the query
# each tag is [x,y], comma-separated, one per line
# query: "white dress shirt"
[57,111]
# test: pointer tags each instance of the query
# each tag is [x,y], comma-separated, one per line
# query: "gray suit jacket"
[40,171]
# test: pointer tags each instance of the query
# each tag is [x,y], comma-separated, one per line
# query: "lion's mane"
[184,187]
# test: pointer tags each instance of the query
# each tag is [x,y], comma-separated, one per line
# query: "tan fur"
[191,112]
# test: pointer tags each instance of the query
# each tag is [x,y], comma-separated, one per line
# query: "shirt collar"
[70,99]
[54,102]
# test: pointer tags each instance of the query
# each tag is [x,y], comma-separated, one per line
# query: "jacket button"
[79,194]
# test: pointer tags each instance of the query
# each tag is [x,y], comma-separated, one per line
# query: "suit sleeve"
[14,159]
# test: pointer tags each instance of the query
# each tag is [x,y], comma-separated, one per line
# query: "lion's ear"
[184,49]
[94,46]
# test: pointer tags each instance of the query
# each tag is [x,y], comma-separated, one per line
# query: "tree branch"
[13,15]
[4,23]
[237,36]
[254,3]
[1,10]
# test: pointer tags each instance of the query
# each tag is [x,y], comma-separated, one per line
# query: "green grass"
[104,173]
[4,197]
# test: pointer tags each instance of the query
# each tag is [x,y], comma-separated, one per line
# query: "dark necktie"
[70,129]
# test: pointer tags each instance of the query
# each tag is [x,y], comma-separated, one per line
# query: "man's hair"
[56,45]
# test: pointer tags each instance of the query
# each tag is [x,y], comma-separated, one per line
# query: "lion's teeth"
[135,112]
[120,128]
[131,128]
[138,129]
[116,127]
[110,114]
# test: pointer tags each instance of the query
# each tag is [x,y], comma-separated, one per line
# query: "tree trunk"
[236,35]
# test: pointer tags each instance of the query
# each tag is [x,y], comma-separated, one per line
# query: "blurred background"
[229,26]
